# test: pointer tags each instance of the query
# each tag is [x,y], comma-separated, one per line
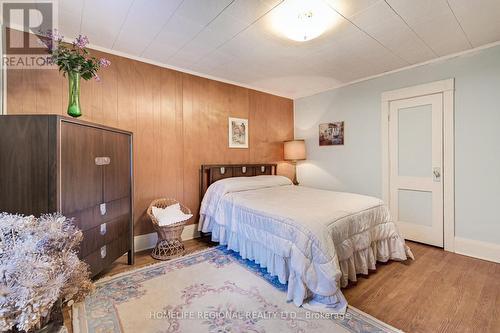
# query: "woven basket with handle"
[169,244]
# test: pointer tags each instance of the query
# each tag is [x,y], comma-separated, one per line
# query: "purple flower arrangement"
[81,41]
[73,59]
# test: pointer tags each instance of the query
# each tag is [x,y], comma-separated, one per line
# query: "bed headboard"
[214,172]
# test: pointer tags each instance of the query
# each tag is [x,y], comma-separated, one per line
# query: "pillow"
[170,215]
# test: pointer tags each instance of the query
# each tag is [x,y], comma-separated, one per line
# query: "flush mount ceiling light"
[302,20]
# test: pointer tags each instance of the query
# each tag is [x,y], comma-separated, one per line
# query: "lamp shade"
[294,150]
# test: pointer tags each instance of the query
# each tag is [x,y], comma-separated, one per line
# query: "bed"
[314,240]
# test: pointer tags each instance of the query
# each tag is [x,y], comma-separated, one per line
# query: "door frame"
[447,89]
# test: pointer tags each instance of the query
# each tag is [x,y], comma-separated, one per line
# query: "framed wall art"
[238,133]
[331,134]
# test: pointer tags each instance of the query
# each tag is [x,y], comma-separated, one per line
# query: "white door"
[416,164]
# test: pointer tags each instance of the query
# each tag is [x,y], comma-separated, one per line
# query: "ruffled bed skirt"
[361,261]
[314,283]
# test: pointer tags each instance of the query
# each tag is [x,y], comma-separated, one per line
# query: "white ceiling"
[232,39]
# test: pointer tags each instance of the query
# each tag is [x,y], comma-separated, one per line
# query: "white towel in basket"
[170,215]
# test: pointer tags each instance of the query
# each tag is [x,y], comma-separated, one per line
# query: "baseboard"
[148,241]
[477,249]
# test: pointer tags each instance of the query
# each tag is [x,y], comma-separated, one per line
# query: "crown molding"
[294,97]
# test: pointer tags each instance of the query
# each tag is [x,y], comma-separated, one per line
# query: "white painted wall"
[356,166]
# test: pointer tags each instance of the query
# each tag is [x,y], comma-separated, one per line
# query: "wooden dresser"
[50,163]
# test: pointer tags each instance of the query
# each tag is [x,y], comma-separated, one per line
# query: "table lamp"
[294,150]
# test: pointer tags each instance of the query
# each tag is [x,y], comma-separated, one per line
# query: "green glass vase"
[74,95]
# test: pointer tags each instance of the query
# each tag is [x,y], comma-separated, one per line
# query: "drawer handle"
[102,208]
[102,160]
[103,252]
[103,229]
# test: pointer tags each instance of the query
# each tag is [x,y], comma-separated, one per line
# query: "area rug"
[209,291]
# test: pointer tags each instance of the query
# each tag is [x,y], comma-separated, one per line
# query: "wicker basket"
[169,244]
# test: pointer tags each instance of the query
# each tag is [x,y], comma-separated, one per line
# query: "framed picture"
[331,134]
[238,133]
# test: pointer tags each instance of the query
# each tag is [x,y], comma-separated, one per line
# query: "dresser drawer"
[106,254]
[92,217]
[103,234]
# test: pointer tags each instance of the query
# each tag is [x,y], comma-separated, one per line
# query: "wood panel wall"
[179,122]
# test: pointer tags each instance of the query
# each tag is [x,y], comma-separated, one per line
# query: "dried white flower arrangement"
[39,266]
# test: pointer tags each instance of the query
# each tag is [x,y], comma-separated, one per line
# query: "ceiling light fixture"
[302,20]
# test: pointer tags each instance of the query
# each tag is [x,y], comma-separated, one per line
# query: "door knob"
[436,172]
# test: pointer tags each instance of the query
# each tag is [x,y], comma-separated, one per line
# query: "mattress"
[314,240]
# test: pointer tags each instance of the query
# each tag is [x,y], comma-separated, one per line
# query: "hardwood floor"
[437,292]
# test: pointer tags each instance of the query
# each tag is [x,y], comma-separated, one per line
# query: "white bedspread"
[315,240]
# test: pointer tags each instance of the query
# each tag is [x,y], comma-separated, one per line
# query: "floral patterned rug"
[209,291]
